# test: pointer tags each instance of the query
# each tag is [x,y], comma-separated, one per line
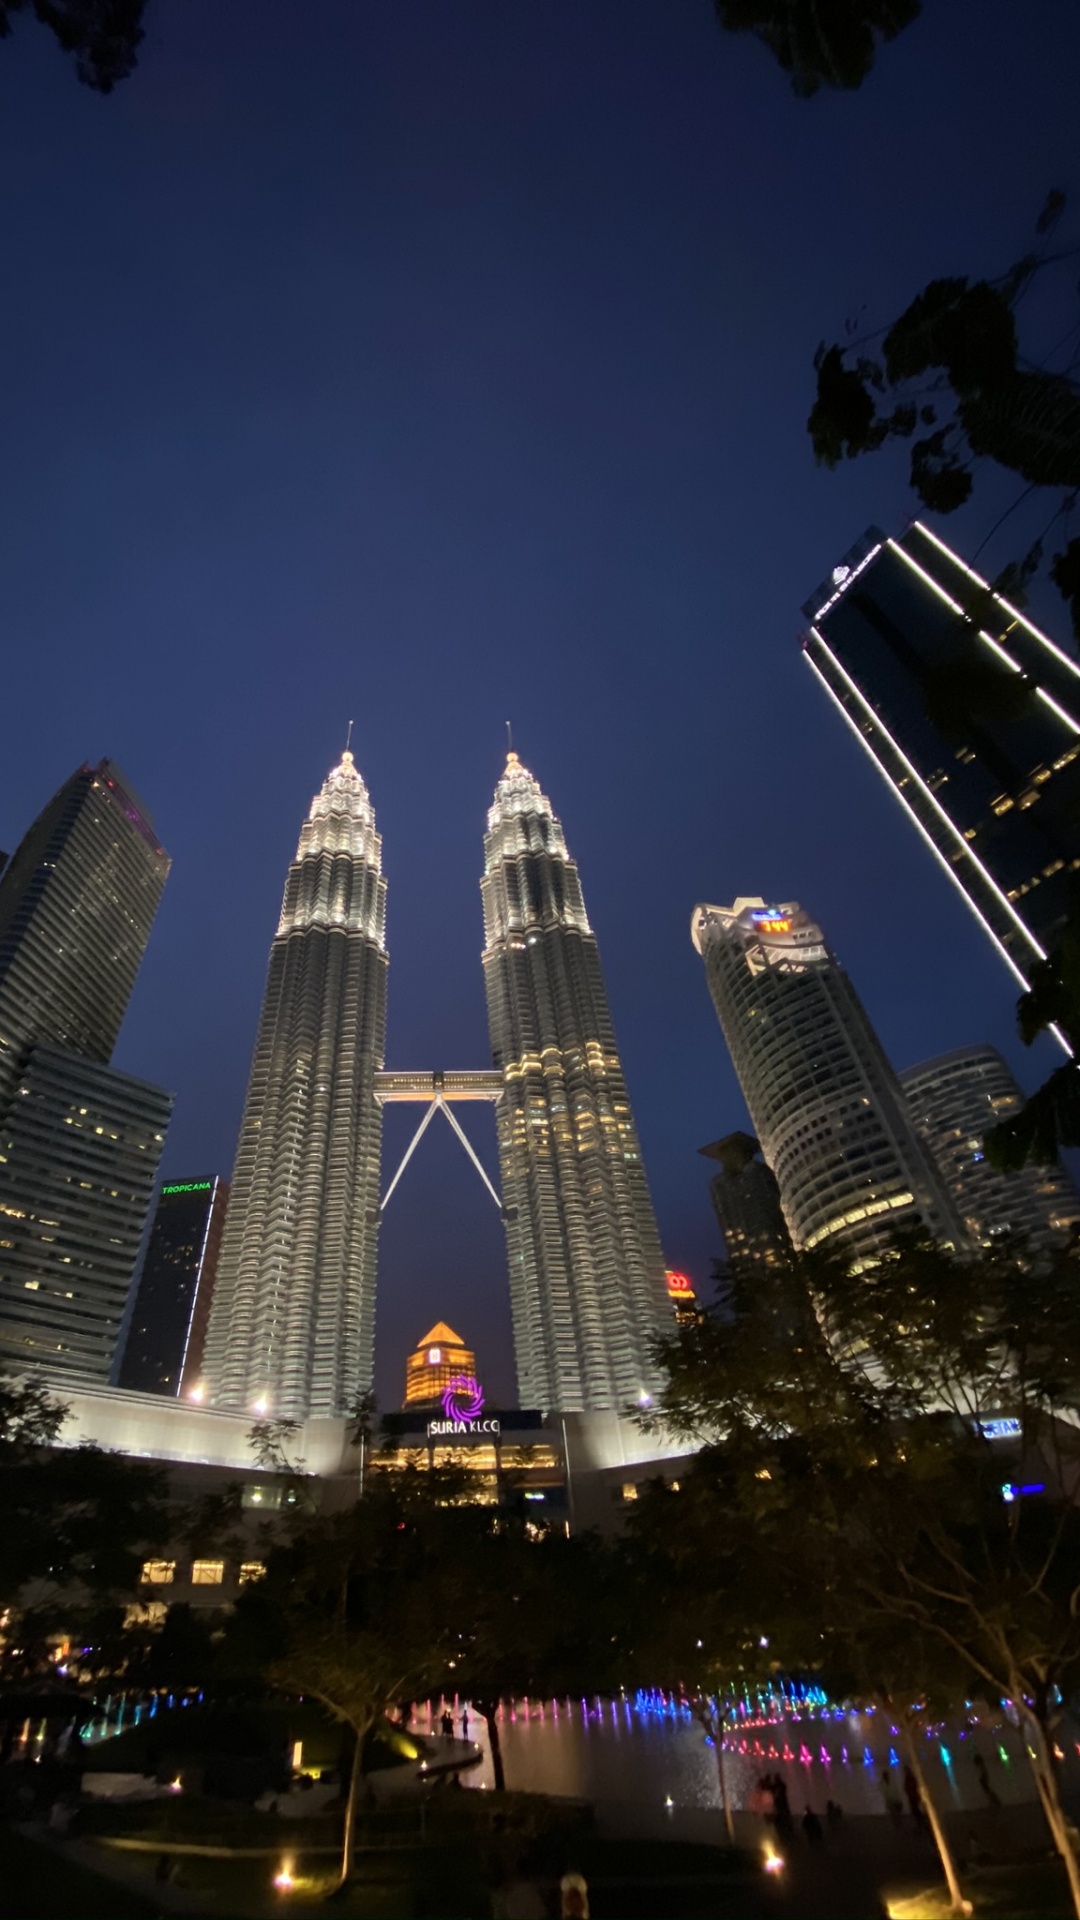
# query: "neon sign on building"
[771,920]
[463,1405]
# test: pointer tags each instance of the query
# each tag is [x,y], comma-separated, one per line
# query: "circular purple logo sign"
[463,1399]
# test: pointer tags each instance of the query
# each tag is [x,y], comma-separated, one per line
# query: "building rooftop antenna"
[509,738]
[348,737]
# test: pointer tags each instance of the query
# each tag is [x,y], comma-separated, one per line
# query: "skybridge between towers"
[438,1092]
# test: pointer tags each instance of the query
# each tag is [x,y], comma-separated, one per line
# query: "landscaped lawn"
[39,1884]
[1035,1891]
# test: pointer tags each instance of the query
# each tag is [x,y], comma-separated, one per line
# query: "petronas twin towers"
[292,1330]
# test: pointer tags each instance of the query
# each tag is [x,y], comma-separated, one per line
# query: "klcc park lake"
[647,1759]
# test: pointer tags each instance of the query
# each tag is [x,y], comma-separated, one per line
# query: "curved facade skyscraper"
[587,1287]
[828,1109]
[292,1326]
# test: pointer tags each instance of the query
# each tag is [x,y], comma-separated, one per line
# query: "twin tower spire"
[292,1329]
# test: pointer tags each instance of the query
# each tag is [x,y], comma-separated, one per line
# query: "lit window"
[207,1573]
[251,1570]
[158,1573]
[629,1490]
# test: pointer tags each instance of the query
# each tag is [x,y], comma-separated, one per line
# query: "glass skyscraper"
[972,715]
[77,903]
[954,1100]
[163,1351]
[587,1287]
[826,1105]
[292,1324]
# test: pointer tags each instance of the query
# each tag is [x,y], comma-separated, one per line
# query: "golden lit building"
[438,1359]
[508,1457]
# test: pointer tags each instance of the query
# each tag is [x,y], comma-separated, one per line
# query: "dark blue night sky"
[428,364]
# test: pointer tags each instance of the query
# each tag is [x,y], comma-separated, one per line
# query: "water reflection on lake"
[634,1753]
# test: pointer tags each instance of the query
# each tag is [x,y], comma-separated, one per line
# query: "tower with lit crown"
[587,1288]
[292,1326]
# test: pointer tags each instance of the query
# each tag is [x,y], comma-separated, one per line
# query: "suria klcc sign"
[463,1407]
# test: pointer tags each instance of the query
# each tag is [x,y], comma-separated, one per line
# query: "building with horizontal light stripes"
[826,1105]
[972,714]
[954,1101]
[588,1294]
[292,1322]
[80,1146]
[79,1143]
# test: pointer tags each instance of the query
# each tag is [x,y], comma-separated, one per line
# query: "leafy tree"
[820,43]
[78,1521]
[103,35]
[701,1599]
[869,1470]
[526,1616]
[952,364]
[348,1612]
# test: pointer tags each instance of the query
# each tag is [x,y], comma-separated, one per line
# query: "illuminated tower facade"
[826,1105]
[438,1359]
[971,714]
[292,1324]
[587,1287]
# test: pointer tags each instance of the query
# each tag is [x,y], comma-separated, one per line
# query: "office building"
[80,1146]
[972,714]
[825,1104]
[746,1199]
[163,1352]
[954,1100]
[587,1288]
[77,902]
[292,1322]
[438,1359]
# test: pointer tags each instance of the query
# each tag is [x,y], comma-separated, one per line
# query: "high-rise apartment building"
[163,1352]
[80,1146]
[79,1143]
[587,1287]
[292,1323]
[972,715]
[954,1100]
[77,902]
[746,1200]
[826,1105]
[439,1358]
